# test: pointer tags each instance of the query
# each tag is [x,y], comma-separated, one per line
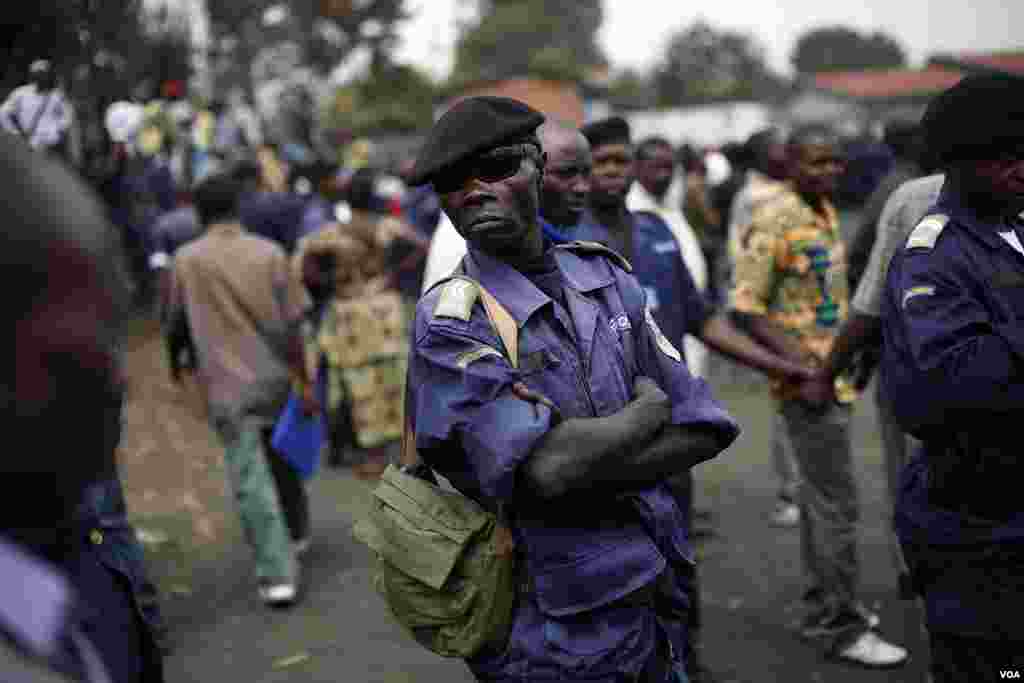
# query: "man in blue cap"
[601,599]
[953,365]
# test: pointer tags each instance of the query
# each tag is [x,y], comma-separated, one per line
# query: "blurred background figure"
[362,331]
[39,112]
[905,143]
[659,190]
[77,601]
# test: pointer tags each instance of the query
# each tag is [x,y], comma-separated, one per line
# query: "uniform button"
[96,536]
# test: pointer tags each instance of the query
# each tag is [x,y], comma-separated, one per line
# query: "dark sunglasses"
[490,167]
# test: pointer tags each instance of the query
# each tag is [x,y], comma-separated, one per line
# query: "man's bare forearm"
[296,357]
[772,335]
[721,335]
[860,332]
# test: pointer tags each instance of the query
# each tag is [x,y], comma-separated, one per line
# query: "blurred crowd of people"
[282,275]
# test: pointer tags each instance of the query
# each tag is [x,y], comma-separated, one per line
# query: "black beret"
[979,118]
[611,131]
[474,125]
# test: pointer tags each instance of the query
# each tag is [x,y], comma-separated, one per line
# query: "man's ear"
[540,172]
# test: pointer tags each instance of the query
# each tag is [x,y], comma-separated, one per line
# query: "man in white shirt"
[659,190]
[38,111]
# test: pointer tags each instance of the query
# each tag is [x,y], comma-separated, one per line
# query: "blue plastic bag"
[299,437]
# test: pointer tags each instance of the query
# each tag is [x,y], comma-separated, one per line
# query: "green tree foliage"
[837,48]
[545,38]
[631,88]
[100,47]
[326,30]
[703,63]
[392,97]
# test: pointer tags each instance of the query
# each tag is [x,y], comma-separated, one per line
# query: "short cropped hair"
[361,189]
[812,134]
[217,197]
[646,147]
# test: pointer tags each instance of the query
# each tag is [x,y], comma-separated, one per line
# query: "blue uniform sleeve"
[946,356]
[662,361]
[468,423]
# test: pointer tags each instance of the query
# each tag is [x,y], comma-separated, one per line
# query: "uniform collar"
[510,287]
[950,204]
[554,234]
[583,275]
[589,229]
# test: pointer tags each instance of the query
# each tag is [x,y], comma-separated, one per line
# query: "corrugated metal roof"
[884,84]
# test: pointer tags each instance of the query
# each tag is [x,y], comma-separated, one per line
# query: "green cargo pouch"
[445,566]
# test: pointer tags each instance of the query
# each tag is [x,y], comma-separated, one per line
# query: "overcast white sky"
[635,31]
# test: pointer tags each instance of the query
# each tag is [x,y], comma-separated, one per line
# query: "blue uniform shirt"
[673,297]
[277,216]
[953,364]
[572,624]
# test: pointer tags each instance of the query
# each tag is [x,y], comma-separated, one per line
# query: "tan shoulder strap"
[504,324]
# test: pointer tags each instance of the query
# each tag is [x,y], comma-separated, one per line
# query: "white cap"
[124,120]
[719,168]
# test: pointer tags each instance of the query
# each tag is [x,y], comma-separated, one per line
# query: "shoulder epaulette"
[598,248]
[927,232]
[458,296]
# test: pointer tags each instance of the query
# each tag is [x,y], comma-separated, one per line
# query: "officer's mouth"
[485,226]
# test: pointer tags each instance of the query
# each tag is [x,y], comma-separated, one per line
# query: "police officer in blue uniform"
[954,366]
[672,296]
[582,484]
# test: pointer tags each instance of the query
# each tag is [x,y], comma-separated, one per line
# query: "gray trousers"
[784,460]
[828,502]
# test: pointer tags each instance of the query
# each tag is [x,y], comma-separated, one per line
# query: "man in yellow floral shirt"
[790,290]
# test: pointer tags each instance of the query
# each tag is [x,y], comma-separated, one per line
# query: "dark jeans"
[958,659]
[290,489]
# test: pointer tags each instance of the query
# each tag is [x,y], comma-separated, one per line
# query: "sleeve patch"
[465,359]
[457,299]
[663,343]
[920,290]
[927,232]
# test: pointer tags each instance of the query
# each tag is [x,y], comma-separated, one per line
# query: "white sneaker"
[786,514]
[278,594]
[871,651]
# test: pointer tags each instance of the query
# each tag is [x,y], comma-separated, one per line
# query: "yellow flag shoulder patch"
[920,290]
[457,299]
[927,232]
[464,359]
[659,337]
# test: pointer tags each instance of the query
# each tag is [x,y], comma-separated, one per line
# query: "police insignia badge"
[457,300]
[663,343]
[927,232]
